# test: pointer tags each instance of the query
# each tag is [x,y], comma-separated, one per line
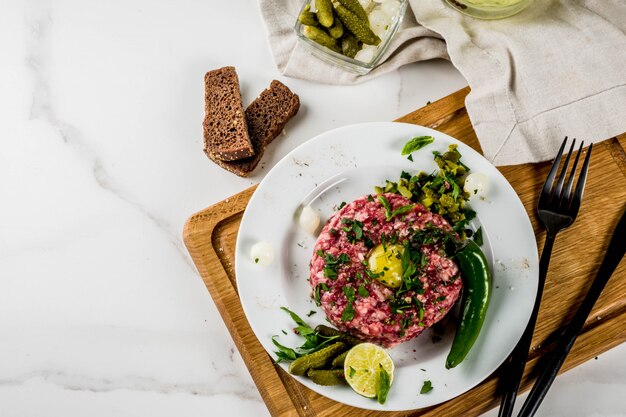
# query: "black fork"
[557,209]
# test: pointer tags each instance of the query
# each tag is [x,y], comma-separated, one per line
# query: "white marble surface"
[101,310]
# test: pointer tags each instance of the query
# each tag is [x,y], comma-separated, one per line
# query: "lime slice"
[362,368]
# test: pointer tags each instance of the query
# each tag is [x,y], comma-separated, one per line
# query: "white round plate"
[341,165]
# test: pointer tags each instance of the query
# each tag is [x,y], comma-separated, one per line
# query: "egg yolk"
[385,262]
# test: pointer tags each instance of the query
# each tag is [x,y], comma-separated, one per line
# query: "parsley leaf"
[363,292]
[348,313]
[427,387]
[352,372]
[383,385]
[310,313]
[478,236]
[416,144]
[349,292]
[284,353]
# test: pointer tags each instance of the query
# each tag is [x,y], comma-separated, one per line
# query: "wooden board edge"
[263,372]
[439,112]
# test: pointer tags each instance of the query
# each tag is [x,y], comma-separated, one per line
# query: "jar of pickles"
[351,34]
[489,9]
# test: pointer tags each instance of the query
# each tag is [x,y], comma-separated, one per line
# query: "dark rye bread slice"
[225,128]
[266,117]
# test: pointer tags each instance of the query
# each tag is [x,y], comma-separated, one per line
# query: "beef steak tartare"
[380,270]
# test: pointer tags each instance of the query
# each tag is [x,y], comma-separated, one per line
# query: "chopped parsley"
[353,229]
[363,291]
[313,340]
[352,372]
[331,263]
[318,292]
[256,260]
[348,313]
[310,313]
[426,387]
[478,236]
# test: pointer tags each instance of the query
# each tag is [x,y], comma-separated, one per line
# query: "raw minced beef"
[359,304]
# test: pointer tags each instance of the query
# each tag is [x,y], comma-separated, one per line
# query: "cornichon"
[355,7]
[325,12]
[343,337]
[360,28]
[349,45]
[336,30]
[326,376]
[321,37]
[315,360]
[307,17]
[476,295]
[339,360]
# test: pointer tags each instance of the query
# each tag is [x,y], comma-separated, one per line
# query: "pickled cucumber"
[359,28]
[307,17]
[336,30]
[344,337]
[318,35]
[355,7]
[339,360]
[350,45]
[315,360]
[325,12]
[326,377]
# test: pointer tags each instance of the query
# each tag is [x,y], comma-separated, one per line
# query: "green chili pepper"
[476,294]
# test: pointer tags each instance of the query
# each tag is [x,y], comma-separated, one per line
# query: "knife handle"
[612,258]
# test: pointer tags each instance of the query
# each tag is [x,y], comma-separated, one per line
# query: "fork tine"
[547,186]
[559,184]
[580,186]
[567,194]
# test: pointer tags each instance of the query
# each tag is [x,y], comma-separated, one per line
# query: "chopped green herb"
[363,291]
[349,292]
[256,260]
[416,144]
[342,205]
[401,210]
[284,353]
[313,340]
[383,385]
[284,332]
[348,313]
[478,236]
[352,372]
[310,313]
[383,200]
[410,157]
[427,387]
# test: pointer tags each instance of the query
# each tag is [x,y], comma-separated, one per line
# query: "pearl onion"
[476,183]
[309,220]
[262,253]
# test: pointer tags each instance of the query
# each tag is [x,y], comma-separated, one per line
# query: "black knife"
[612,258]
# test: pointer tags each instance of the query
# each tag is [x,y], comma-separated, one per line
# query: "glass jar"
[489,9]
[369,56]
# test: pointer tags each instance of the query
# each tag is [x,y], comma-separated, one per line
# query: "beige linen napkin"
[557,68]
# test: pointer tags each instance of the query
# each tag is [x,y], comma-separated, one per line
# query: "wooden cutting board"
[210,237]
